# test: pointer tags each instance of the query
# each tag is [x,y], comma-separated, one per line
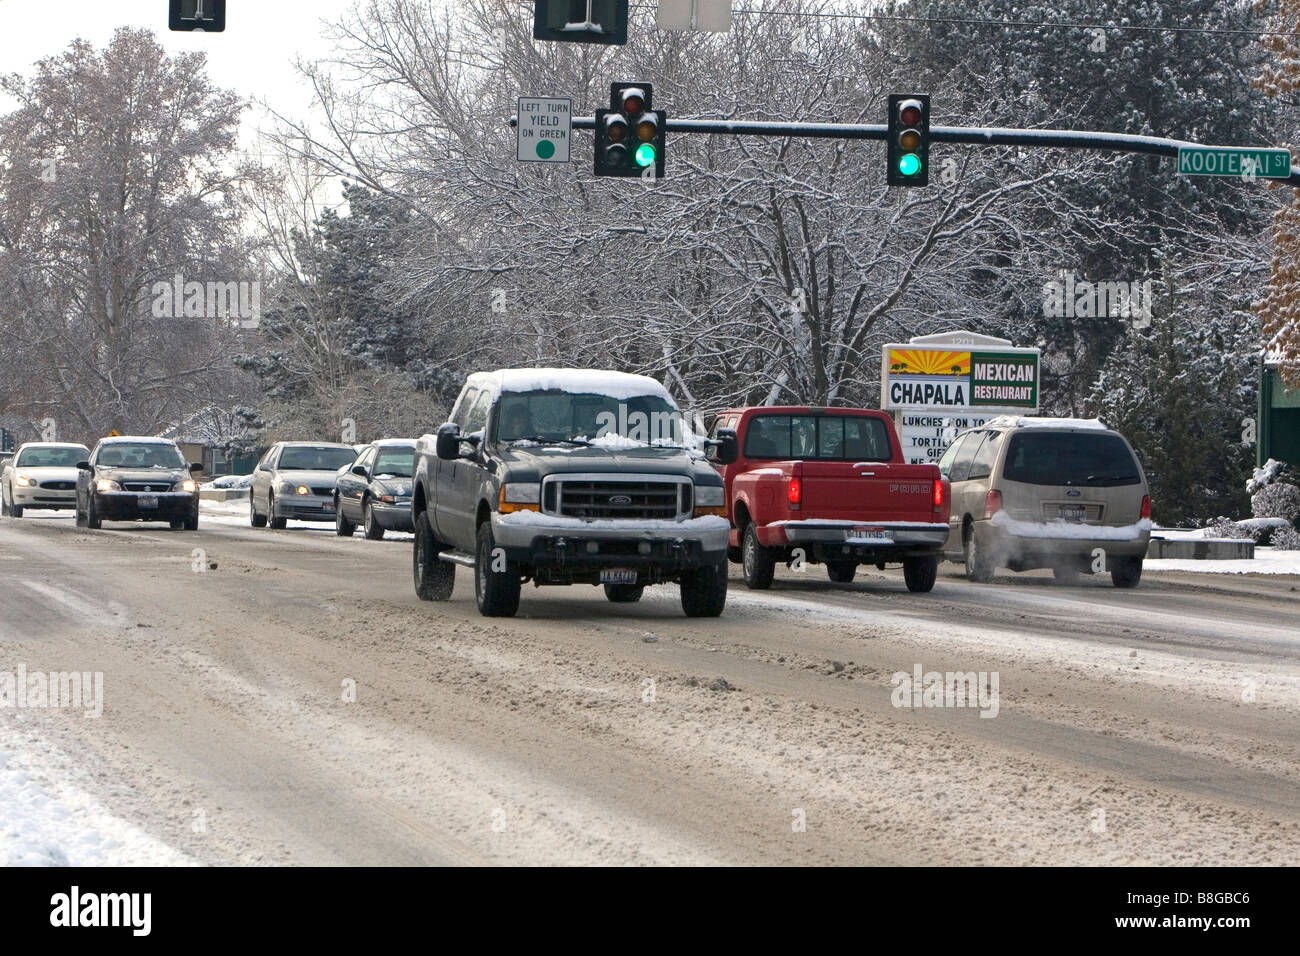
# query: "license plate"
[147,501]
[864,533]
[1072,512]
[618,576]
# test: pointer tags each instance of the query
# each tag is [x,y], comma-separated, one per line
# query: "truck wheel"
[919,573]
[704,590]
[757,561]
[496,591]
[342,526]
[841,572]
[979,565]
[274,523]
[254,519]
[434,579]
[624,593]
[374,530]
[1125,572]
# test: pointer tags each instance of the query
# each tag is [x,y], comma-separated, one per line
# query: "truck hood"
[571,459]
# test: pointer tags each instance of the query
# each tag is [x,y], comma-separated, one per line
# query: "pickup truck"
[829,485]
[569,476]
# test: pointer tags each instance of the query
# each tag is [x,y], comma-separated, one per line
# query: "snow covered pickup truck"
[829,485]
[569,476]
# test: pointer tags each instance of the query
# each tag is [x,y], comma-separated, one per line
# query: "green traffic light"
[909,164]
[644,155]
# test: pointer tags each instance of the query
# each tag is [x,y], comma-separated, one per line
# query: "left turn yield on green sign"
[545,129]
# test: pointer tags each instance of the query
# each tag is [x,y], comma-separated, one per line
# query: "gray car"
[295,479]
[375,490]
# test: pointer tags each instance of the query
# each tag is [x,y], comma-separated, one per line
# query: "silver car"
[41,476]
[295,479]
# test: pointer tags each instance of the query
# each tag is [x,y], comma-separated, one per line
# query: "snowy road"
[1160,725]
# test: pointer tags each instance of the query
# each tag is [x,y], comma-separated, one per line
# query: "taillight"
[794,492]
[993,503]
[1146,506]
[938,493]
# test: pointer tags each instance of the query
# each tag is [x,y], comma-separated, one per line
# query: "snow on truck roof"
[1022,421]
[575,380]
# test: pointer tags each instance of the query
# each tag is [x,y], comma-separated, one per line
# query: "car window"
[478,414]
[945,463]
[1099,459]
[960,470]
[366,458]
[50,457]
[315,457]
[982,464]
[398,462]
[818,437]
[461,415]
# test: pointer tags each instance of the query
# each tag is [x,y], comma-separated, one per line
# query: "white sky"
[253,56]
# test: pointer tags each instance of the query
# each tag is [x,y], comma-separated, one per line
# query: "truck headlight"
[520,496]
[190,485]
[710,501]
[107,484]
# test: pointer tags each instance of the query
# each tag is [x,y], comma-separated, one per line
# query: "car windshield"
[51,457]
[140,455]
[315,458]
[1070,458]
[559,416]
[397,462]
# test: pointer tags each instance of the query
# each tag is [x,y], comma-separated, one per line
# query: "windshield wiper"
[552,441]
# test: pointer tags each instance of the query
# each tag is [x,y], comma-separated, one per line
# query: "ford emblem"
[1074,492]
[619,500]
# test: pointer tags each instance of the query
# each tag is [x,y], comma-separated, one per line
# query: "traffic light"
[908,139]
[581,21]
[630,136]
[207,16]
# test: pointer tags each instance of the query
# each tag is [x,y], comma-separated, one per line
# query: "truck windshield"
[558,416]
[818,437]
[1069,458]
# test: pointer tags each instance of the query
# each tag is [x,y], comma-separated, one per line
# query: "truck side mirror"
[728,447]
[448,443]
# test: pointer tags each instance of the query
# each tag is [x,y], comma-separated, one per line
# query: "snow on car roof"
[136,440]
[577,381]
[1023,421]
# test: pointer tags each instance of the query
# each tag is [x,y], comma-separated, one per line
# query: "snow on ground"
[1266,560]
[234,514]
[47,820]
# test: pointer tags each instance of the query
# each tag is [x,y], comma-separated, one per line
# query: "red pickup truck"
[829,485]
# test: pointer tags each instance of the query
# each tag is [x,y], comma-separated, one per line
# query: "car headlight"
[190,485]
[710,496]
[107,484]
[288,487]
[304,490]
[23,482]
[520,496]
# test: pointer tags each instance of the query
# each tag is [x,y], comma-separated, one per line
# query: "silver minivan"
[1060,493]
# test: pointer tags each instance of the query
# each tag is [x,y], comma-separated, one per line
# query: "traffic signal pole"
[968,135]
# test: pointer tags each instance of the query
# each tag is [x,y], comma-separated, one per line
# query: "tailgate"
[868,491]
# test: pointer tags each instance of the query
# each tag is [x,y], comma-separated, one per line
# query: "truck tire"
[342,526]
[496,592]
[374,530]
[1125,572]
[434,579]
[758,562]
[920,572]
[841,572]
[254,519]
[624,593]
[979,565]
[704,590]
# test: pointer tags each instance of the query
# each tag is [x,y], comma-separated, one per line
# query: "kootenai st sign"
[1234,161]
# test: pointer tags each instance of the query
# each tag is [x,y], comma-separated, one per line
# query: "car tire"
[841,572]
[4,504]
[177,524]
[704,590]
[757,561]
[1125,572]
[979,565]
[78,516]
[15,511]
[920,572]
[624,593]
[254,519]
[93,520]
[272,522]
[496,592]
[342,526]
[434,579]
[374,530]
[192,522]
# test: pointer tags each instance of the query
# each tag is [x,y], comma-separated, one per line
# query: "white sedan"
[42,476]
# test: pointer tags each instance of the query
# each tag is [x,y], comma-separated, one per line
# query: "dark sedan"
[137,479]
[375,490]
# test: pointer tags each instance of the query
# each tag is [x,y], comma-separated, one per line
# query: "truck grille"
[597,498]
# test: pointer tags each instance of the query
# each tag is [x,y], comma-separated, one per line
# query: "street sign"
[545,129]
[710,15]
[1234,161]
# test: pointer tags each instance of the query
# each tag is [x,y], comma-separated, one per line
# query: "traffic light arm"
[969,135]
